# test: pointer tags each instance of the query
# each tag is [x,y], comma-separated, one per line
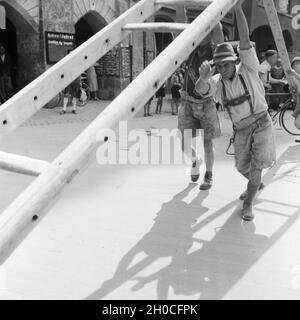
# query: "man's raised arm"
[243,28]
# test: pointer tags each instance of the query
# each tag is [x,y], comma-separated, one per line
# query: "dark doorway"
[264,40]
[162,39]
[87,26]
[83,32]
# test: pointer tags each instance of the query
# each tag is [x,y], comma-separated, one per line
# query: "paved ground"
[146,232]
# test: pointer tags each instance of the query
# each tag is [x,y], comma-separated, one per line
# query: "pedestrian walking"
[71,94]
[147,108]
[197,113]
[175,91]
[93,82]
[160,94]
[239,89]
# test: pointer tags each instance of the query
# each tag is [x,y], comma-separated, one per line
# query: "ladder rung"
[23,165]
[156,26]
[187,3]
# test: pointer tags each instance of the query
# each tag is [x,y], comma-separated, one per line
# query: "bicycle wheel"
[273,115]
[84,96]
[288,122]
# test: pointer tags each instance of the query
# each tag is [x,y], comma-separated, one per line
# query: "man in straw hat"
[239,89]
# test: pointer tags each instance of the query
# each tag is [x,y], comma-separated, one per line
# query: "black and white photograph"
[149,151]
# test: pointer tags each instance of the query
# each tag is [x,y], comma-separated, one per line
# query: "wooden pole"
[156,27]
[186,3]
[24,165]
[22,215]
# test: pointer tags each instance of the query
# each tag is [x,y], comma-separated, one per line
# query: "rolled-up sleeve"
[212,87]
[249,59]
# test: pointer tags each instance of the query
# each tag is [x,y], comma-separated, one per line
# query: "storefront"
[261,33]
[31,28]
[38,33]
[21,38]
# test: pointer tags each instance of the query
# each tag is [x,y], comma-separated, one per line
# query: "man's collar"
[234,76]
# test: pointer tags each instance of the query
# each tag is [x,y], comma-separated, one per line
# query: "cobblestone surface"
[46,117]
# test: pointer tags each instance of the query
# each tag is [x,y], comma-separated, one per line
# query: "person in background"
[72,93]
[271,58]
[277,73]
[93,82]
[147,108]
[160,94]
[197,113]
[175,91]
[295,90]
[5,75]
[270,61]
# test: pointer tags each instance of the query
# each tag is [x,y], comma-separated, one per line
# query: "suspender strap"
[247,93]
[225,101]
[239,100]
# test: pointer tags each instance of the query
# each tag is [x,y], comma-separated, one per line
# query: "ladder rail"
[156,27]
[186,3]
[34,96]
[23,165]
[17,221]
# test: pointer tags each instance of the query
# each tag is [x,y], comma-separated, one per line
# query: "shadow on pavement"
[211,271]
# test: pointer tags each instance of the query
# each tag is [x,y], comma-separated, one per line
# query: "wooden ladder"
[31,206]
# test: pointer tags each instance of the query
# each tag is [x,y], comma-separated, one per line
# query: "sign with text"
[58,45]
[126,62]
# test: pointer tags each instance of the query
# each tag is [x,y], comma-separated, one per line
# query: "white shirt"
[264,71]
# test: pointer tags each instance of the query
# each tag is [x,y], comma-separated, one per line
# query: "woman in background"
[93,82]
[160,94]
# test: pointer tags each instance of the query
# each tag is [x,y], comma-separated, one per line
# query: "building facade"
[261,34]
[30,24]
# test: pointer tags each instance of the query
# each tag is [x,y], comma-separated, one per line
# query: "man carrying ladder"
[239,89]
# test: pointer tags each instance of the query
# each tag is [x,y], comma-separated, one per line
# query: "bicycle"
[285,116]
[85,96]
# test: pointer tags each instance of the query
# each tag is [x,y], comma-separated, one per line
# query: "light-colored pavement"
[145,232]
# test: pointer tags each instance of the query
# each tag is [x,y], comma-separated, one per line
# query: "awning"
[2,18]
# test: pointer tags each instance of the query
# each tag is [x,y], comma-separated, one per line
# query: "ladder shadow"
[171,235]
[209,272]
